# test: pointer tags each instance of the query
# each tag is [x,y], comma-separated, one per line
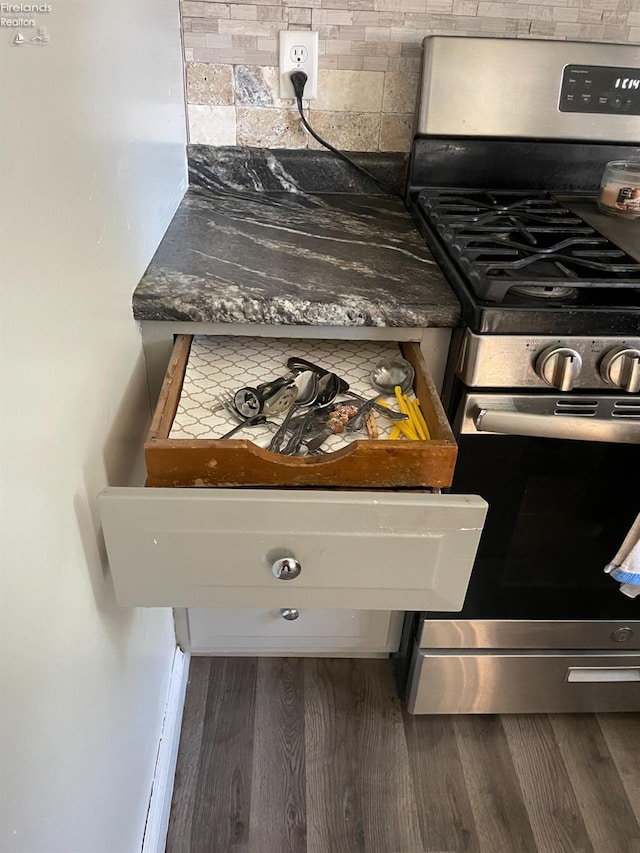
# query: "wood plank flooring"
[305,755]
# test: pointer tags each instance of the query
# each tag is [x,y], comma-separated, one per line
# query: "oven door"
[562,480]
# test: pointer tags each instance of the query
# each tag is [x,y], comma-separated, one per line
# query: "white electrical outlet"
[298,51]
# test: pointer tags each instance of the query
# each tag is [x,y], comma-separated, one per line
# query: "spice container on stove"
[620,189]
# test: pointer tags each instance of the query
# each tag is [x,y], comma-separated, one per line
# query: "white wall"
[93,166]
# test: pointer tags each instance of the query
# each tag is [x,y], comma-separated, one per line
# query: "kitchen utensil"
[371,424]
[307,384]
[328,387]
[254,421]
[251,401]
[339,417]
[357,422]
[391,372]
[248,402]
[282,400]
[314,444]
[225,401]
[297,364]
[416,428]
[392,414]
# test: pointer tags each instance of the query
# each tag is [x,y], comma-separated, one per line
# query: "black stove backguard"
[511,164]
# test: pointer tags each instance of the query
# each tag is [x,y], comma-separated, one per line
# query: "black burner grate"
[503,240]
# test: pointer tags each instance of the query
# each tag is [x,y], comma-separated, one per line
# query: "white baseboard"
[155,832]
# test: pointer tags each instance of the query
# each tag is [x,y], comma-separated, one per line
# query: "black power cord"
[298,80]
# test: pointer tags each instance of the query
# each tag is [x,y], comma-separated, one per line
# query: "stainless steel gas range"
[544,377]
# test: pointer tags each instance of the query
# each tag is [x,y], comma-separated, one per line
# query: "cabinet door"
[357,550]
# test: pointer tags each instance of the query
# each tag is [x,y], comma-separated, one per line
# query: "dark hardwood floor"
[295,755]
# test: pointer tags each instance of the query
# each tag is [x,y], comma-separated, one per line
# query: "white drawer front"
[362,550]
[217,630]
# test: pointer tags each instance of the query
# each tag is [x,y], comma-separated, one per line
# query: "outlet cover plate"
[299,50]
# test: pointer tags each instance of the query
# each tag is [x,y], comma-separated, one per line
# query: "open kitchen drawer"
[208,461]
[294,541]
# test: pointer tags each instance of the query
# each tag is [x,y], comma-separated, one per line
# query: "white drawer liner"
[225,364]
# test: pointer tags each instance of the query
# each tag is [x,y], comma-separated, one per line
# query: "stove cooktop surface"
[528,244]
[523,261]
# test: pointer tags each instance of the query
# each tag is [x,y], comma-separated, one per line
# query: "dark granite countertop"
[253,241]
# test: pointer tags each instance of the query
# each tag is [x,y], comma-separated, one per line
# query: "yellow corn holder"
[415,428]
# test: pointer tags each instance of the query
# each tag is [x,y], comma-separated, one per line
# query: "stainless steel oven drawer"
[516,682]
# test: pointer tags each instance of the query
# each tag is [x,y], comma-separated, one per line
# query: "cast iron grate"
[528,241]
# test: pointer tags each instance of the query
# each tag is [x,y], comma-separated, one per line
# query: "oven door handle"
[511,422]
[602,674]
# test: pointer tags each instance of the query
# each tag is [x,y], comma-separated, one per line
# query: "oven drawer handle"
[511,422]
[602,674]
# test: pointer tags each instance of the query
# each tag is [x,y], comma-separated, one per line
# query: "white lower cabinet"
[233,561]
[266,631]
[350,548]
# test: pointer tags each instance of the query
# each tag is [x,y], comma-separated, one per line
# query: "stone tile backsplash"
[369,61]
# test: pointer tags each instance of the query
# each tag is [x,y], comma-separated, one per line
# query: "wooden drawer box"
[371,464]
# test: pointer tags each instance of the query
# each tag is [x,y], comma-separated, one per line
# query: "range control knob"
[559,366]
[621,367]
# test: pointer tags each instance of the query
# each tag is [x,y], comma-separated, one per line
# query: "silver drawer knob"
[286,569]
[289,613]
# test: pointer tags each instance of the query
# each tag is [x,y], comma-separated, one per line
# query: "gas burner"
[551,292]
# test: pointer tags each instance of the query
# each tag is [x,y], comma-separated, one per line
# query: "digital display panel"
[600,89]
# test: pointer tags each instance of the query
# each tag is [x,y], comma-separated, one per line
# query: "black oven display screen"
[600,89]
